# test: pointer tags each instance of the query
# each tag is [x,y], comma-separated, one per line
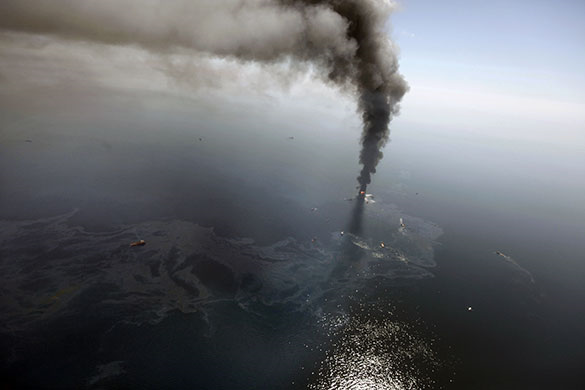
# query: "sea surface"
[464,268]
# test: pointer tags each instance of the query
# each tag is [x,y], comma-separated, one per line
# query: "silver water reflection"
[371,350]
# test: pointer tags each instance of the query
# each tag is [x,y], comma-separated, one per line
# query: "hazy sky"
[516,63]
[498,41]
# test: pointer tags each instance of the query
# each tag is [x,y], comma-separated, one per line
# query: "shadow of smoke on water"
[350,253]
[355,225]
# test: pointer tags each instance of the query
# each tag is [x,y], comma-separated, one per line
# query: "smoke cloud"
[344,40]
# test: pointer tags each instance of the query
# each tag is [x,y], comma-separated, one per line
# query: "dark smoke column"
[380,86]
[373,71]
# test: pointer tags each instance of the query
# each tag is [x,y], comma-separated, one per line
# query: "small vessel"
[138,243]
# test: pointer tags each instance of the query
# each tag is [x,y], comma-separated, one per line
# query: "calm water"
[257,273]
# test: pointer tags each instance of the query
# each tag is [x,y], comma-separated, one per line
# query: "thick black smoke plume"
[373,70]
[345,40]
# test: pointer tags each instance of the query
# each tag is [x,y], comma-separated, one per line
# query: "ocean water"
[463,271]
